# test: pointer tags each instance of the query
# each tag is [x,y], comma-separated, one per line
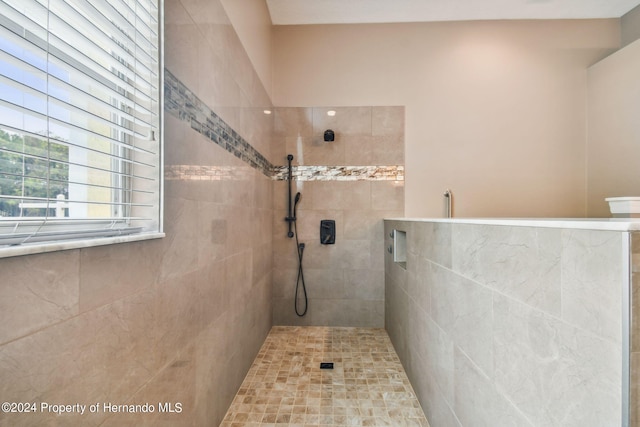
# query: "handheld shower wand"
[295,205]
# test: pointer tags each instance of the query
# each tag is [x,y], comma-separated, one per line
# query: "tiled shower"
[180,319]
[345,281]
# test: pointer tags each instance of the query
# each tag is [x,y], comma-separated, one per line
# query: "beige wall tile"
[514,362]
[159,320]
[477,401]
[37,291]
[293,122]
[181,36]
[362,224]
[437,410]
[375,150]
[422,275]
[463,309]
[591,277]
[431,241]
[364,284]
[285,315]
[545,366]
[323,283]
[84,358]
[346,312]
[387,195]
[494,255]
[347,121]
[314,150]
[180,248]
[435,348]
[137,270]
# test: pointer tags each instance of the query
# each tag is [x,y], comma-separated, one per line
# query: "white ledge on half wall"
[612,224]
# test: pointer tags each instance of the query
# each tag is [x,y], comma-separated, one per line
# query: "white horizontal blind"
[79,119]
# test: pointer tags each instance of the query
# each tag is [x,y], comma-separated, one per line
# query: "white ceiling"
[294,12]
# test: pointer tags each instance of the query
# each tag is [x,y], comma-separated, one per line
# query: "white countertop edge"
[610,224]
[11,251]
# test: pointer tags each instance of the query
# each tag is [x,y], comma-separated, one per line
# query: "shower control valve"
[327,232]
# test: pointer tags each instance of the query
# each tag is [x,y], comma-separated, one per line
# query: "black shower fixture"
[291,218]
[329,136]
[327,232]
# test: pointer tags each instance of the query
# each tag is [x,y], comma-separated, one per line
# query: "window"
[80,120]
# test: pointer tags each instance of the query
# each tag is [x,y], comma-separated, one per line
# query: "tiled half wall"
[512,326]
[634,400]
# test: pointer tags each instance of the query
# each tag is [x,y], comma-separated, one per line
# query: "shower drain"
[326,365]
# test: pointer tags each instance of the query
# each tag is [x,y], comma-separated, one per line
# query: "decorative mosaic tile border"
[280,173]
[180,102]
[183,104]
[340,173]
[207,173]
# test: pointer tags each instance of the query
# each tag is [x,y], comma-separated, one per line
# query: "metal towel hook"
[449,196]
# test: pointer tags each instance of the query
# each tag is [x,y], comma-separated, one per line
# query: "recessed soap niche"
[400,248]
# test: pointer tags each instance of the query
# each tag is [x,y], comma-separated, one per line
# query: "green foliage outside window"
[31,174]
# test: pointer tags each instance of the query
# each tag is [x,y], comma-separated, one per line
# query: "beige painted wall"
[252,23]
[614,129]
[495,111]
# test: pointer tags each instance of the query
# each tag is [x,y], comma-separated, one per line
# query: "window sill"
[39,248]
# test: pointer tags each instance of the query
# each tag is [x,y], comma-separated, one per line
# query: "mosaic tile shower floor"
[286,387]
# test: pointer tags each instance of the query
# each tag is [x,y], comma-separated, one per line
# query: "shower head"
[329,135]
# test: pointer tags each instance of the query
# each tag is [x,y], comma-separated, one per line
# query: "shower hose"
[300,280]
